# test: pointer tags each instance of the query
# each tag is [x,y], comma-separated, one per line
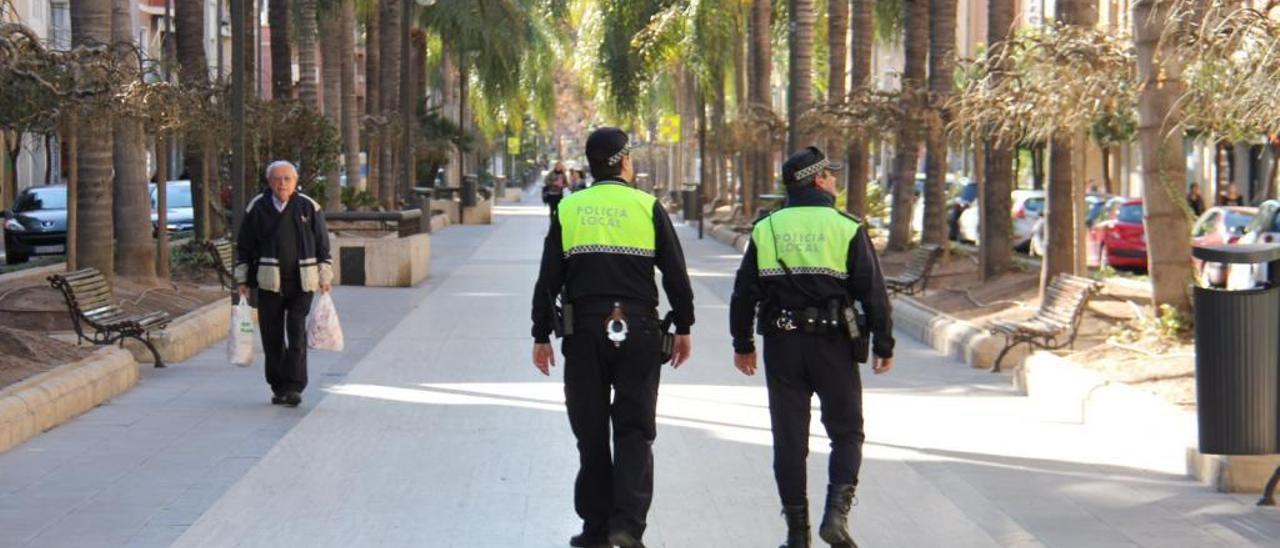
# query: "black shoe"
[589,540]
[277,399]
[797,526]
[623,539]
[292,399]
[835,525]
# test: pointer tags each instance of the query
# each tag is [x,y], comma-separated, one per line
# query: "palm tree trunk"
[193,71]
[718,154]
[800,67]
[759,50]
[740,102]
[389,57]
[331,62]
[942,45]
[996,221]
[1062,203]
[1163,166]
[862,28]
[91,24]
[350,114]
[162,205]
[373,94]
[281,50]
[838,53]
[135,257]
[307,52]
[916,37]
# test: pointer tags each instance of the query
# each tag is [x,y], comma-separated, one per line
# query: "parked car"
[1093,206]
[37,224]
[1118,238]
[1221,225]
[180,212]
[1265,227]
[1027,208]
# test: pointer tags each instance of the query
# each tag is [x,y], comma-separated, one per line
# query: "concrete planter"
[183,338]
[55,397]
[952,336]
[512,194]
[452,209]
[479,214]
[389,261]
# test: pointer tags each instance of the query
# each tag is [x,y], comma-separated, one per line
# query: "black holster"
[668,339]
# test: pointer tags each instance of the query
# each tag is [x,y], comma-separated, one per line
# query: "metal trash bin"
[470,189]
[1237,340]
[691,206]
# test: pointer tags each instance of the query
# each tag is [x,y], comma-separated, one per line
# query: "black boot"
[797,526]
[835,526]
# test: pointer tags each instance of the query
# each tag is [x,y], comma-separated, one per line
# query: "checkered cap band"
[617,157]
[811,170]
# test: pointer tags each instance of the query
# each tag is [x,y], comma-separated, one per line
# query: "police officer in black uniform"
[809,269]
[599,258]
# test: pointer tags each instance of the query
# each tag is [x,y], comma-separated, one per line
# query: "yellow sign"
[669,128]
[513,145]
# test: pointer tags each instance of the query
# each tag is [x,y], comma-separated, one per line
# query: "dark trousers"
[796,366]
[613,490]
[280,316]
[553,201]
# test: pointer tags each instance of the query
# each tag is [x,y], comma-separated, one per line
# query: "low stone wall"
[439,221]
[182,339]
[513,194]
[451,208]
[479,214]
[1232,473]
[55,397]
[389,261]
[952,336]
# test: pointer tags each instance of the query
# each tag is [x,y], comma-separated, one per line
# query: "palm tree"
[389,96]
[1163,165]
[942,45]
[331,62]
[862,43]
[373,91]
[350,115]
[135,256]
[281,50]
[838,53]
[1063,223]
[915,14]
[759,51]
[996,247]
[95,247]
[193,72]
[307,51]
[800,67]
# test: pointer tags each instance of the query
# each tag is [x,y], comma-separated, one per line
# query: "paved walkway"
[436,431]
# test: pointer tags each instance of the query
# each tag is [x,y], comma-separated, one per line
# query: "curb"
[952,336]
[54,397]
[185,337]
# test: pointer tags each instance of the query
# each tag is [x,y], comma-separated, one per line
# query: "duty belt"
[806,320]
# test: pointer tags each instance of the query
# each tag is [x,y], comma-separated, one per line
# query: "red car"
[1222,225]
[1118,238]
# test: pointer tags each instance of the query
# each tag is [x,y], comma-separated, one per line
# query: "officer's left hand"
[543,357]
[746,363]
[683,348]
[881,365]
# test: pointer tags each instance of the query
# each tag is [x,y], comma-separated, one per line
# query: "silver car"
[1028,208]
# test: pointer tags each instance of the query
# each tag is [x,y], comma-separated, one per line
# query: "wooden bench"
[916,277]
[222,252]
[92,305]
[1057,322]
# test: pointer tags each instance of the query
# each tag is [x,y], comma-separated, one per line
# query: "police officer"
[808,268]
[599,257]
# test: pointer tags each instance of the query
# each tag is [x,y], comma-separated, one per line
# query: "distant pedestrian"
[599,257]
[553,186]
[1231,196]
[807,268]
[283,251]
[580,180]
[1195,200]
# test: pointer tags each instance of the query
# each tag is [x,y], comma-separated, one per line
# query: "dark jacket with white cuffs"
[257,264]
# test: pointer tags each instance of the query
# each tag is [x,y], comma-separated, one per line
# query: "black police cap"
[606,147]
[802,166]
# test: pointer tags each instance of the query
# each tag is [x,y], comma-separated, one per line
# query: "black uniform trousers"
[797,365]
[613,490]
[283,316]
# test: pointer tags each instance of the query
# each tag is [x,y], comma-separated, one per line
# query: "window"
[60,25]
[1130,213]
[38,199]
[1203,227]
[1237,222]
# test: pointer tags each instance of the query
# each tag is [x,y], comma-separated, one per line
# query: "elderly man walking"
[283,251]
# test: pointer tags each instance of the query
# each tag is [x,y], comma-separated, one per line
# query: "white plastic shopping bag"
[240,343]
[323,330]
